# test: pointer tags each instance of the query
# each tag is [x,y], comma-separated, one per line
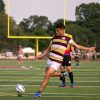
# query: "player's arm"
[83,47]
[45,53]
[72,49]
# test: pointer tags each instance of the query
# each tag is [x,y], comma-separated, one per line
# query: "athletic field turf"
[30,74]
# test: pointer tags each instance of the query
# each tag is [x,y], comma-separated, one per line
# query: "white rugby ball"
[20,88]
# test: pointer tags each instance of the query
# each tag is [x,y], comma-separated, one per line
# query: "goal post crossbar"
[31,37]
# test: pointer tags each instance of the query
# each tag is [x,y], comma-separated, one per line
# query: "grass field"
[87,81]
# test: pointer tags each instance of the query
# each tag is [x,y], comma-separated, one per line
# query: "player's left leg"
[69,69]
[70,72]
[62,69]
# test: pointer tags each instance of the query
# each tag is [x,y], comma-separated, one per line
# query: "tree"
[84,12]
[2,6]
[60,21]
[88,16]
[83,36]
[36,26]
[3,30]
[5,42]
[33,22]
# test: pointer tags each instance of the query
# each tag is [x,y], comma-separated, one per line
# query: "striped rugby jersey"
[58,47]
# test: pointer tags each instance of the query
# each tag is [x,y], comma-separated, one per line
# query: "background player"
[67,64]
[77,56]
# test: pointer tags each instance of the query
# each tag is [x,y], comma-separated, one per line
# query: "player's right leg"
[48,74]
[70,73]
[50,70]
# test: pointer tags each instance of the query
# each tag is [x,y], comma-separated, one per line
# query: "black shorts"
[66,60]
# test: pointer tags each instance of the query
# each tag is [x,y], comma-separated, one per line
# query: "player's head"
[59,29]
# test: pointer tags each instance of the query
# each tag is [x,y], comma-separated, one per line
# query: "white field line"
[93,77]
[69,96]
[58,93]
[66,93]
[52,86]
[49,81]
[54,93]
[61,95]
[76,73]
[88,74]
[42,70]
[92,71]
[80,75]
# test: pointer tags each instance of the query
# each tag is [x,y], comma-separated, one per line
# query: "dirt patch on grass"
[15,67]
[11,67]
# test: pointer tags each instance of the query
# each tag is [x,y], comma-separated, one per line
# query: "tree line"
[85,30]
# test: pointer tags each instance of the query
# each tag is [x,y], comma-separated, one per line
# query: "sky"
[53,9]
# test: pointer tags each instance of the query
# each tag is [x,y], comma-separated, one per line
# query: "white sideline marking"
[63,95]
[42,80]
[68,94]
[52,77]
[55,86]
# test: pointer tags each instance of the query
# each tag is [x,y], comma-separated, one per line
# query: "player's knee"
[69,69]
[50,73]
[62,69]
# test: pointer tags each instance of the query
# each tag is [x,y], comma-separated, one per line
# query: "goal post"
[32,37]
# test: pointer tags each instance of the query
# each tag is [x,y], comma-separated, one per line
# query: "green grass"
[86,76]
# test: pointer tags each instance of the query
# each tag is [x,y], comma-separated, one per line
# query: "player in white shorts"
[53,64]
[56,51]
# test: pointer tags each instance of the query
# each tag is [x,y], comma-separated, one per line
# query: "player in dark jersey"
[66,65]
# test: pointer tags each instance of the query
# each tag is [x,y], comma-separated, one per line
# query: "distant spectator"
[20,53]
[77,57]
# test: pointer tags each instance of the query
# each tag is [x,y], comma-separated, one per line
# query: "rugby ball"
[20,88]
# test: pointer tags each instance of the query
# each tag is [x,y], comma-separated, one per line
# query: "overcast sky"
[53,9]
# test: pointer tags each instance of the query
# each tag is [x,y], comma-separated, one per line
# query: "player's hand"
[39,56]
[92,49]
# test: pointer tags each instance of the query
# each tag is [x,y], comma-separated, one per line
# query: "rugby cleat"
[72,85]
[62,85]
[37,94]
